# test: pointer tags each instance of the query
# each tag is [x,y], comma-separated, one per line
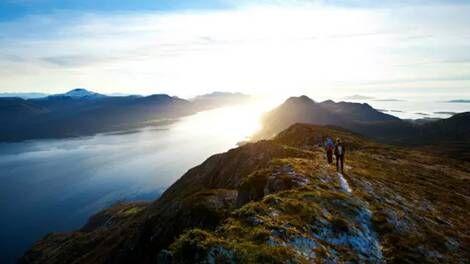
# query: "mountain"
[277,201]
[367,121]
[16,108]
[450,136]
[24,95]
[80,112]
[304,110]
[80,93]
[122,94]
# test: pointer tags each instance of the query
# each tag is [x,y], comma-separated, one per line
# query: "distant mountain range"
[82,112]
[24,95]
[304,110]
[450,136]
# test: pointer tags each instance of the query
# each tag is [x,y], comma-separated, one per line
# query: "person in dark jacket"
[339,154]
[329,147]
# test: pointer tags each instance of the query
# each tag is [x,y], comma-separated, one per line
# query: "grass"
[406,191]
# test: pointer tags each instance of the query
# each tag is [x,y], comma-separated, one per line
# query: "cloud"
[77,60]
[250,49]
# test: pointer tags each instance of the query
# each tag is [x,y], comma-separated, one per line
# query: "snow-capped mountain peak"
[81,92]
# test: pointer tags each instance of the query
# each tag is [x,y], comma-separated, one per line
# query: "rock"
[260,184]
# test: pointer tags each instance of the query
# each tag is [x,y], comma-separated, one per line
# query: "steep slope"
[278,201]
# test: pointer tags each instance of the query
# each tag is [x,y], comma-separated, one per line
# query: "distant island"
[445,113]
[358,97]
[459,101]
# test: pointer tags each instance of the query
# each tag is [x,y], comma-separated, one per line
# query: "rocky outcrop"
[262,183]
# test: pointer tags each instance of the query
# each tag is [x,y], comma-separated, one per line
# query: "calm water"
[55,185]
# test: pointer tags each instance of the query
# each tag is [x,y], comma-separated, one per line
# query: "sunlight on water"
[59,183]
[235,123]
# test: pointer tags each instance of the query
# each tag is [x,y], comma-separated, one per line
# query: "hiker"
[329,146]
[339,153]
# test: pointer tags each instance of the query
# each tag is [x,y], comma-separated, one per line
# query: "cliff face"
[278,201]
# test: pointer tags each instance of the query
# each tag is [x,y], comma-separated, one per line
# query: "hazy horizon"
[324,49]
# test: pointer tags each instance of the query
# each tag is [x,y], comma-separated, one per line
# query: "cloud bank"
[256,48]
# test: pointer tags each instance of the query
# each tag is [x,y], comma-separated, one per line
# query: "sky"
[324,49]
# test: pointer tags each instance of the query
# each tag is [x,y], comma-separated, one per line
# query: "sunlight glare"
[237,123]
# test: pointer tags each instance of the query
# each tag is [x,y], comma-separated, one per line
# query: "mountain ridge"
[278,201]
[23,95]
[305,110]
[80,112]
[363,119]
[80,93]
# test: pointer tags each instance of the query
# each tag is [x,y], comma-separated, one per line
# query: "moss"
[131,211]
[252,253]
[193,245]
[196,246]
